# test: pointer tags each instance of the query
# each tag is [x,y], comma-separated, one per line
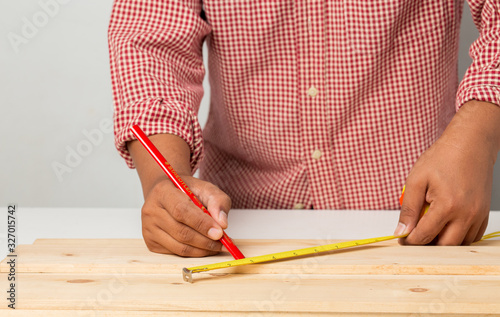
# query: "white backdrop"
[56,107]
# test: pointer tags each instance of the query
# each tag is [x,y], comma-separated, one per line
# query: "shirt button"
[313,92]
[299,206]
[317,154]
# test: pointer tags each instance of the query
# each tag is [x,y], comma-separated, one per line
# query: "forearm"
[173,148]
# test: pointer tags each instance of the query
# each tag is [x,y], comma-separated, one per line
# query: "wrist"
[174,149]
[478,123]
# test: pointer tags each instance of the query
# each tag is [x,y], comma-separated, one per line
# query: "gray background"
[55,90]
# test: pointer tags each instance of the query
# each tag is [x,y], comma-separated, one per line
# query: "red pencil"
[176,179]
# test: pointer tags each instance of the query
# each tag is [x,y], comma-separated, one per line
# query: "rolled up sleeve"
[482,79]
[157,70]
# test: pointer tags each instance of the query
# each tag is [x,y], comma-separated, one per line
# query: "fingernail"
[215,233]
[400,229]
[222,218]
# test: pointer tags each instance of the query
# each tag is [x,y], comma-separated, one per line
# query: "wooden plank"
[278,293]
[139,243]
[384,258]
[125,243]
[122,278]
[109,313]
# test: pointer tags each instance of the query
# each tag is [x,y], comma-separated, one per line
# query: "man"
[314,104]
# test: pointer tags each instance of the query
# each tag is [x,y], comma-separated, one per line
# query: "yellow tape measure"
[187,273]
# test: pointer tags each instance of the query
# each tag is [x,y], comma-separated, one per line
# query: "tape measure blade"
[289,254]
[187,272]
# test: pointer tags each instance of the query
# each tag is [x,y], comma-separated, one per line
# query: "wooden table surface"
[120,277]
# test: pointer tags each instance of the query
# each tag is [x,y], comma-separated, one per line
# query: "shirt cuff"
[484,86]
[155,116]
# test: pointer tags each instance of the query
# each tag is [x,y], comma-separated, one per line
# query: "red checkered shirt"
[313,104]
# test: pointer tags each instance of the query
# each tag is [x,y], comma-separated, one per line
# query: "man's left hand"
[455,177]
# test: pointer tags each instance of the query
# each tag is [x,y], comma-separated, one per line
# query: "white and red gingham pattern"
[318,104]
[481,82]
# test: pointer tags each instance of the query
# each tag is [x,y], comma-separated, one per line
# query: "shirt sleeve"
[482,79]
[157,70]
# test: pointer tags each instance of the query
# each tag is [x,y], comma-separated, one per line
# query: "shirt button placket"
[311,56]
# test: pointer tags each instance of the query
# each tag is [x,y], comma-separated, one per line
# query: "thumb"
[218,213]
[216,201]
[412,204]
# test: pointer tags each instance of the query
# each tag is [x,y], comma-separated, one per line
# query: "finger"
[472,233]
[164,243]
[162,209]
[183,210]
[429,226]
[190,215]
[413,201]
[153,246]
[216,201]
[185,234]
[452,234]
[481,230]
[161,218]
[434,241]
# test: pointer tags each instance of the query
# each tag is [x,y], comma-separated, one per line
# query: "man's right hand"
[171,222]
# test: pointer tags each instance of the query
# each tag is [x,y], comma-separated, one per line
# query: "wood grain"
[252,293]
[80,277]
[132,256]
